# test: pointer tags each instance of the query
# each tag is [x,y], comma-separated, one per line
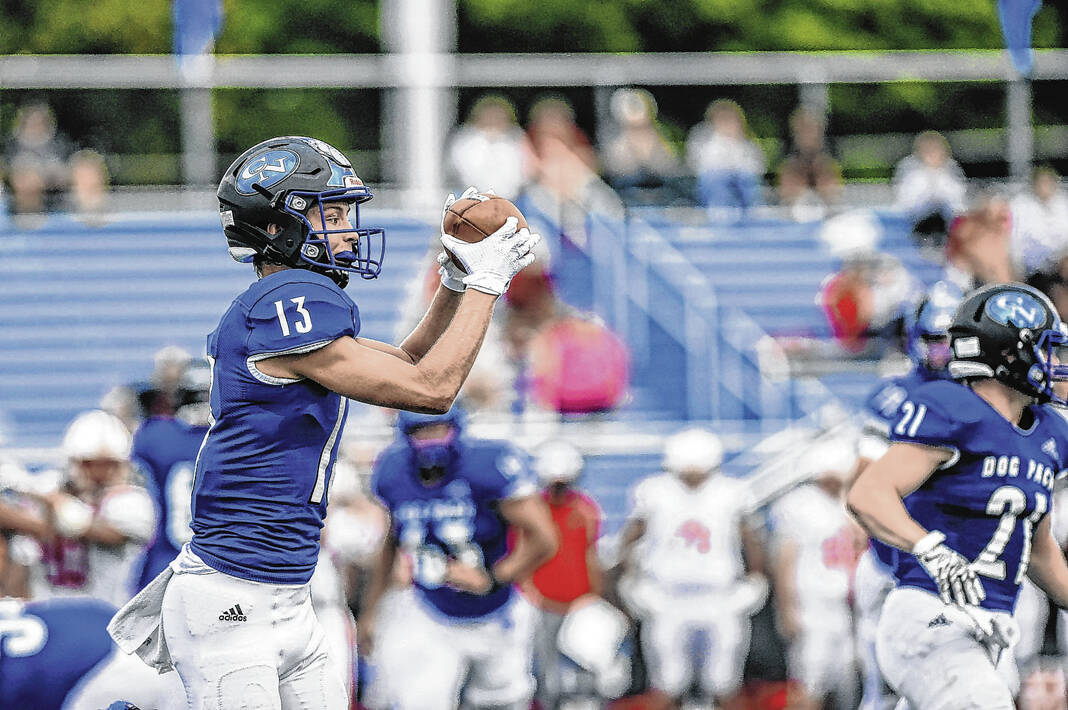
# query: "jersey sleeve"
[924,418]
[642,499]
[512,475]
[299,317]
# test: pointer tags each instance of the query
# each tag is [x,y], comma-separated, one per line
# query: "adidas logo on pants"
[234,613]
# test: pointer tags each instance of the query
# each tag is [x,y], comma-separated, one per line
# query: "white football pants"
[932,660]
[675,636]
[427,660]
[249,645]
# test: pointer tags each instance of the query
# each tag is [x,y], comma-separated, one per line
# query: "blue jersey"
[48,647]
[259,491]
[883,407]
[991,494]
[166,450]
[457,517]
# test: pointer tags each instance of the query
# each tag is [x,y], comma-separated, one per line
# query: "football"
[475,218]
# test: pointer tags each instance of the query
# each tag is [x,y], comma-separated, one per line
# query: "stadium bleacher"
[87,306]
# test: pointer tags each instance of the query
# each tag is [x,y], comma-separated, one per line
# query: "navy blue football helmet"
[432,456]
[1012,333]
[927,328]
[281,181]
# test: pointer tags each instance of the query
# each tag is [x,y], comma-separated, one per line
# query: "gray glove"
[957,581]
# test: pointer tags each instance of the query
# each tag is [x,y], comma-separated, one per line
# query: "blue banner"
[1016,16]
[196,24]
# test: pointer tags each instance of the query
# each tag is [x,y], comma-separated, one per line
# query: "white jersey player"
[816,548]
[691,548]
[103,521]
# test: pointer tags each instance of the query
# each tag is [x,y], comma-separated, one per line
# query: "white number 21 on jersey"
[303,325]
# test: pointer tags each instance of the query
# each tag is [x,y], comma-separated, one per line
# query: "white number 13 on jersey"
[303,325]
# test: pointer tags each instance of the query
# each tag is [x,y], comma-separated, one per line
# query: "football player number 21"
[302,325]
[1008,502]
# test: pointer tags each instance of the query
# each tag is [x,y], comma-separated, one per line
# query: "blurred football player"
[927,344]
[233,611]
[698,564]
[572,573]
[102,520]
[466,631]
[964,494]
[166,447]
[56,655]
[816,546]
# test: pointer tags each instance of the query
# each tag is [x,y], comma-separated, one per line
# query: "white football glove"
[452,277]
[957,581]
[72,516]
[492,262]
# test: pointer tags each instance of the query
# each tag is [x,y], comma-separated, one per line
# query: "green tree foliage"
[134,122]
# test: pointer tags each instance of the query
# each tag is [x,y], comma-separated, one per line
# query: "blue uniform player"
[465,630]
[965,488]
[165,448]
[927,345]
[232,613]
[57,654]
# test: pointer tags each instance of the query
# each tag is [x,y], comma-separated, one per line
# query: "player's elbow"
[858,502]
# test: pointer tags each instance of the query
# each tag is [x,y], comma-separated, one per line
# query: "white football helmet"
[836,457]
[97,435]
[692,450]
[558,461]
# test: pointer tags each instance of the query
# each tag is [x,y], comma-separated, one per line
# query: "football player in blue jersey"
[165,448]
[963,492]
[927,345]
[56,654]
[232,613]
[466,630]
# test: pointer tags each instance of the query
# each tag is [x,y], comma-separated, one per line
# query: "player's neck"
[268,269]
[1006,401]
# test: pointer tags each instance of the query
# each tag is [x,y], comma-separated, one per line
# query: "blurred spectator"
[809,178]
[1039,221]
[36,142]
[572,573]
[863,300]
[638,162]
[490,150]
[929,186]
[977,250]
[29,185]
[1052,280]
[565,185]
[578,366]
[161,396]
[816,548]
[729,166]
[89,183]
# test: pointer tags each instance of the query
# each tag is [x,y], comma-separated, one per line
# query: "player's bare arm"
[536,543]
[381,574]
[1048,569]
[875,498]
[372,375]
[16,520]
[784,577]
[753,553]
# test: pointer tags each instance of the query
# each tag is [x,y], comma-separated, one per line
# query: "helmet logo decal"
[266,169]
[326,149]
[1016,308]
[343,177]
